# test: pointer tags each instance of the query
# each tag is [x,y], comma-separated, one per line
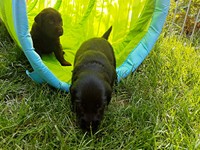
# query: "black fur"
[92,81]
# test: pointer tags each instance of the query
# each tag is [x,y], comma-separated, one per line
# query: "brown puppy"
[92,81]
[46,32]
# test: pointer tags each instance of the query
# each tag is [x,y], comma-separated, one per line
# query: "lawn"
[156,107]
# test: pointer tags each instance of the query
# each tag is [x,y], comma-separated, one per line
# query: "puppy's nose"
[95,125]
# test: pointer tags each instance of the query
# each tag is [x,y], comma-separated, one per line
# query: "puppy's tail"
[107,33]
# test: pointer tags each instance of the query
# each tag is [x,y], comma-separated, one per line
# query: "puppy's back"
[100,45]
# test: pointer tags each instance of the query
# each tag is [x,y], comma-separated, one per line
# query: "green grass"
[157,107]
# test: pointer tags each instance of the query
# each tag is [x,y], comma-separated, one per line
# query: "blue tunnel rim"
[42,74]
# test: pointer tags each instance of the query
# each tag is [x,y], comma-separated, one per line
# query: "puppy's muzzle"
[60,31]
[90,122]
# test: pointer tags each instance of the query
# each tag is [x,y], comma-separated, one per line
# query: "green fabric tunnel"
[137,25]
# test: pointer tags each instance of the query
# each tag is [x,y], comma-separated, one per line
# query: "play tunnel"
[136,24]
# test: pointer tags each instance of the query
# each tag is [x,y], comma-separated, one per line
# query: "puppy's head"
[90,95]
[49,22]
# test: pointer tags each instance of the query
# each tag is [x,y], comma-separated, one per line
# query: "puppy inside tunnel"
[136,25]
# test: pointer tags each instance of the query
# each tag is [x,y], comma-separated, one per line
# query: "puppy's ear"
[108,93]
[71,90]
[38,19]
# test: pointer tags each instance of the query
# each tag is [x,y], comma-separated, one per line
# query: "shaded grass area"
[157,107]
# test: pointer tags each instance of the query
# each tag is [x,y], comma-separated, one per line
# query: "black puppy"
[92,81]
[46,32]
